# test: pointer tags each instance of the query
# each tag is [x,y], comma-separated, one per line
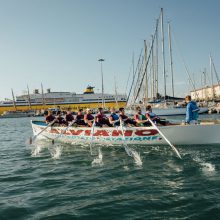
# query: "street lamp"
[101,60]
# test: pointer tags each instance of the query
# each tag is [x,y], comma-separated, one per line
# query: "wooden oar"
[34,137]
[91,135]
[63,131]
[127,149]
[160,132]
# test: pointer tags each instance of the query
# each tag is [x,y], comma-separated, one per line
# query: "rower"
[59,119]
[114,118]
[49,117]
[154,117]
[88,118]
[69,116]
[141,119]
[101,119]
[80,118]
[128,121]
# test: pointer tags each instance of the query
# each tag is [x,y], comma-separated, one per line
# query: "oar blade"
[91,136]
[127,149]
[177,152]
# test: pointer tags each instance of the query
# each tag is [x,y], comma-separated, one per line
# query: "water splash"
[126,168]
[56,152]
[98,160]
[206,167]
[132,153]
[137,158]
[156,148]
[36,150]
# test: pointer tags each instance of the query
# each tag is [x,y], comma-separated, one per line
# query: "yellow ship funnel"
[89,90]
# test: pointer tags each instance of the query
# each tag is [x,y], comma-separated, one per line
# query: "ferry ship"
[41,101]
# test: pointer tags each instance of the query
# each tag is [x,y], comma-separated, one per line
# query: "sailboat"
[17,113]
[146,76]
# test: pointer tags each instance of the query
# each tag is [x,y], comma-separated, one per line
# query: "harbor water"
[46,181]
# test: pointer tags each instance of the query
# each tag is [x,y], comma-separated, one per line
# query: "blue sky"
[58,42]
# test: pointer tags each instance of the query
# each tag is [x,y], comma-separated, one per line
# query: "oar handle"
[50,124]
[34,137]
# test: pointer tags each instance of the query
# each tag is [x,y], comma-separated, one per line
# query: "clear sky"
[58,42]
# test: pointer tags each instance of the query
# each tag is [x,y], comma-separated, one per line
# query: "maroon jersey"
[100,117]
[69,117]
[50,118]
[79,117]
[88,117]
[61,120]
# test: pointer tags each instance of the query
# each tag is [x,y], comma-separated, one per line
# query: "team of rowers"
[101,120]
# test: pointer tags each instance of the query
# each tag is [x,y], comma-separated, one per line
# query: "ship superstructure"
[88,99]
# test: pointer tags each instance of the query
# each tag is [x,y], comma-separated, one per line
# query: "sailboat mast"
[29,98]
[134,75]
[145,71]
[103,102]
[211,73]
[171,57]
[216,74]
[204,73]
[116,94]
[146,79]
[13,100]
[156,77]
[152,72]
[43,98]
[163,54]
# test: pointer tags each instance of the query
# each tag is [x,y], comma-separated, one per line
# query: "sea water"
[60,181]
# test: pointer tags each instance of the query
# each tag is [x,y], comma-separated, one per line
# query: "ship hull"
[73,106]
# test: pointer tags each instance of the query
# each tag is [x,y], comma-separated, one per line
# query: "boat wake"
[157,150]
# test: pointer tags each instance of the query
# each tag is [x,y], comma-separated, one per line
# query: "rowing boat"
[178,134]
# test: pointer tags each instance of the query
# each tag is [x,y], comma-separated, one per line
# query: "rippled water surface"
[45,181]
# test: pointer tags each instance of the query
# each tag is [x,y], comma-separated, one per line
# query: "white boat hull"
[208,133]
[175,111]
[169,111]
